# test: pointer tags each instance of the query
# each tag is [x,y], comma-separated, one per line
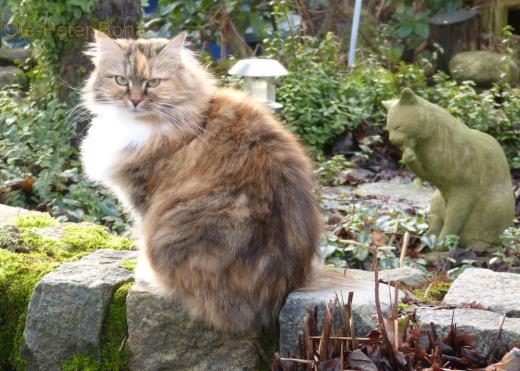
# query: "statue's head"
[404,121]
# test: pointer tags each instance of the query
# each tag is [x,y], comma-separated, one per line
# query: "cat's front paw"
[409,156]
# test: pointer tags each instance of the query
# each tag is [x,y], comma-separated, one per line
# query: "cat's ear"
[173,49]
[102,45]
[389,103]
[408,97]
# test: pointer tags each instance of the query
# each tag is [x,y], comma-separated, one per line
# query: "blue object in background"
[214,49]
[152,5]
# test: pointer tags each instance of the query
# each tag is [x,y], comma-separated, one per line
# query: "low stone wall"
[162,336]
[69,307]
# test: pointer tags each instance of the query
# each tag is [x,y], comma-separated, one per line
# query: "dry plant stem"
[344,318]
[307,340]
[431,340]
[277,357]
[323,347]
[497,337]
[406,241]
[396,333]
[386,341]
[352,242]
[351,321]
[341,360]
[298,361]
[261,352]
[427,291]
[344,338]
[396,298]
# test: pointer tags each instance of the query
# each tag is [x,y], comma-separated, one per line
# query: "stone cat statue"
[475,197]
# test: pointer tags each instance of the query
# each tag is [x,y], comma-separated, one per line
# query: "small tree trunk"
[118,18]
[454,32]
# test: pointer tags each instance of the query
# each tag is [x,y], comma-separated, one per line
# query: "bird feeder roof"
[258,67]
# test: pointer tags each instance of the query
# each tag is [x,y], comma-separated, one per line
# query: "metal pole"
[354,35]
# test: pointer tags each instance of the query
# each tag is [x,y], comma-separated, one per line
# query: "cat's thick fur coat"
[222,193]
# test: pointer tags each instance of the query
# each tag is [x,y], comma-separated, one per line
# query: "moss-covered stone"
[35,220]
[114,355]
[434,292]
[27,253]
[130,264]
[19,274]
[475,195]
[484,68]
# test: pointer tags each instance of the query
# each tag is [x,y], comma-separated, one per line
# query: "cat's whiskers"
[77,114]
[194,117]
[170,120]
[187,118]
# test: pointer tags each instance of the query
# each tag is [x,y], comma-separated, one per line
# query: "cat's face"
[146,79]
[398,132]
[404,121]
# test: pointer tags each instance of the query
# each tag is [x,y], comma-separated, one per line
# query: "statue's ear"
[173,49]
[389,103]
[408,97]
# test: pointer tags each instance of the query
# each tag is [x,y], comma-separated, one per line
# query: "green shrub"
[322,98]
[314,105]
[36,152]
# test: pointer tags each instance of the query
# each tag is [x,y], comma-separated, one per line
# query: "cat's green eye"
[153,83]
[121,80]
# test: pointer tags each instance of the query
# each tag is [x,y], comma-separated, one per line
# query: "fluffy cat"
[222,193]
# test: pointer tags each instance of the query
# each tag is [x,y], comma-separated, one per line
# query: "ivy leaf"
[83,4]
[430,241]
[401,7]
[257,25]
[422,30]
[404,31]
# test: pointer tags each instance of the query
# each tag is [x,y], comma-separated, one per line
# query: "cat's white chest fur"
[107,137]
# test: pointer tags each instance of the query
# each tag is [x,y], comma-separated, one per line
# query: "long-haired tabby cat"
[222,194]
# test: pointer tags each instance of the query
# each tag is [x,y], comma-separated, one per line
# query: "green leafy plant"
[410,19]
[50,27]
[331,100]
[330,172]
[39,166]
[225,20]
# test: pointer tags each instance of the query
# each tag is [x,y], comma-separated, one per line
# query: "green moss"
[82,363]
[38,244]
[115,331]
[93,237]
[114,355]
[406,308]
[130,264]
[35,220]
[20,271]
[19,274]
[434,292]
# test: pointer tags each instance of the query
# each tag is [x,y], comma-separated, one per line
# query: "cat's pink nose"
[136,101]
